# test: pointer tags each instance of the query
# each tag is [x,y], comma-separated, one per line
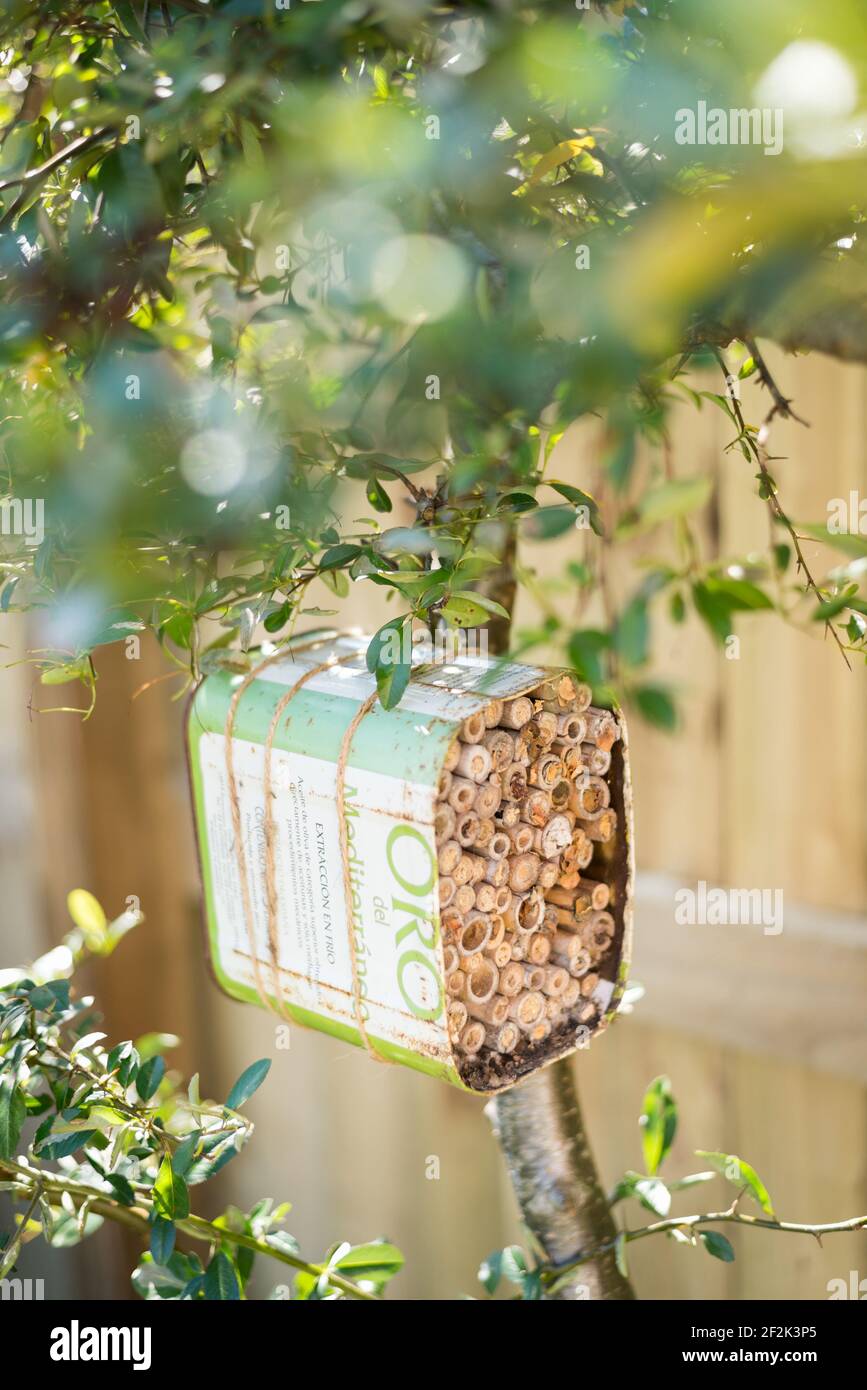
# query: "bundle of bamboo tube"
[523,807]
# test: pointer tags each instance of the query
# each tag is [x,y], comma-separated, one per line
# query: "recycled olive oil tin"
[392,770]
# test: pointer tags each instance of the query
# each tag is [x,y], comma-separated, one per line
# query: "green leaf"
[170,1195]
[185,1154]
[691,1180]
[740,1174]
[382,643]
[391,683]
[854,546]
[8,591]
[125,1060]
[652,1193]
[279,618]
[741,593]
[123,1188]
[88,916]
[149,1076]
[162,1243]
[337,556]
[715,609]
[248,1082]
[63,1145]
[377,496]
[67,1229]
[489,604]
[782,556]
[678,497]
[149,1044]
[658,1123]
[65,672]
[514,1265]
[221,1281]
[632,632]
[178,628]
[376,1262]
[491,1271]
[167,1281]
[830,607]
[717,1245]
[547,523]
[580,499]
[465,612]
[82,1044]
[380,82]
[130,21]
[517,501]
[12,1114]
[619,459]
[656,706]
[620,1254]
[585,654]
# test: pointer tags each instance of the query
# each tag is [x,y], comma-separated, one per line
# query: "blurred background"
[763,1036]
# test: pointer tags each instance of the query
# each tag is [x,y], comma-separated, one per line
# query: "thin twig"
[712,1218]
[760,456]
[782,405]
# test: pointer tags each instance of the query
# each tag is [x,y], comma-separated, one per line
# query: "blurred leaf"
[12,1115]
[740,593]
[392,680]
[656,706]
[88,916]
[632,633]
[585,654]
[561,154]
[375,1263]
[741,1174]
[491,1271]
[658,1123]
[715,609]
[676,498]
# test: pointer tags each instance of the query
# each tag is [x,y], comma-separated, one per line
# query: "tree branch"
[755,444]
[713,1218]
[540,1129]
[136,1218]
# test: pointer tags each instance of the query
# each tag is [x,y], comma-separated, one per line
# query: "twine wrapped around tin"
[318,820]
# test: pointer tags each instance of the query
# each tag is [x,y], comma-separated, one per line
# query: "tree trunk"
[539,1124]
[540,1129]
